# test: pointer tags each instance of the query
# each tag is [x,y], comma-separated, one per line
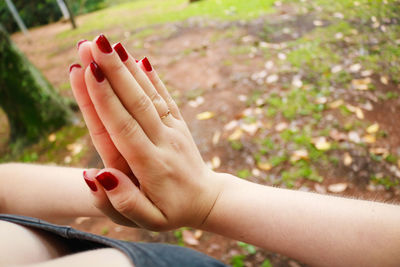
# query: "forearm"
[45,192]
[316,229]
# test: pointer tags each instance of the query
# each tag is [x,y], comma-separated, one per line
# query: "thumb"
[129,201]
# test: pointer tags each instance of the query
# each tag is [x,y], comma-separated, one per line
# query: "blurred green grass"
[142,13]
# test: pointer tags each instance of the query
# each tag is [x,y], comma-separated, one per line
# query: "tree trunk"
[32,106]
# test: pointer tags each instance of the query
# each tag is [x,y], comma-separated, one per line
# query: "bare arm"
[317,229]
[45,192]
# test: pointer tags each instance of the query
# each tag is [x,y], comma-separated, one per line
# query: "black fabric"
[141,254]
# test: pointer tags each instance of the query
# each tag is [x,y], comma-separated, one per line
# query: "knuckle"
[126,205]
[127,128]
[140,105]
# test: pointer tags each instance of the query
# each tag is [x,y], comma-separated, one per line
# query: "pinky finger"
[101,201]
[160,87]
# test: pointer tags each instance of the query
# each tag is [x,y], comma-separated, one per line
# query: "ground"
[299,96]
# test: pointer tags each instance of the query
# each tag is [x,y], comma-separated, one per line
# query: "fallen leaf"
[361,84]
[359,113]
[75,148]
[347,159]
[355,67]
[366,73]
[373,128]
[189,238]
[231,125]
[256,172]
[216,137]
[354,137]
[337,136]
[242,98]
[298,155]
[265,166]
[236,135]
[321,143]
[215,162]
[336,68]
[379,151]
[80,220]
[384,80]
[320,188]
[335,104]
[296,82]
[198,234]
[369,139]
[272,78]
[251,129]
[52,137]
[205,115]
[318,23]
[281,126]
[321,100]
[337,188]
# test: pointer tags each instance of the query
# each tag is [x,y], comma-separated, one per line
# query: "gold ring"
[165,115]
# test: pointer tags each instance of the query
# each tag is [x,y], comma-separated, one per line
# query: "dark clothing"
[141,254]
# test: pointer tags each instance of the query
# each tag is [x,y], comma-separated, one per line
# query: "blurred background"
[296,93]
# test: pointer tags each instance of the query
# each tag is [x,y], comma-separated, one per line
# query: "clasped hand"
[154,177]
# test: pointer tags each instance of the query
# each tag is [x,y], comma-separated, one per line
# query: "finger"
[159,86]
[124,130]
[100,137]
[101,201]
[85,53]
[142,79]
[128,200]
[136,102]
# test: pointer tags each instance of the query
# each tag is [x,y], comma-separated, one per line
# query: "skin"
[318,230]
[177,189]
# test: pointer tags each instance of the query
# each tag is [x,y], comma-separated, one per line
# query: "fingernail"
[97,72]
[146,64]
[80,42]
[104,44]
[121,52]
[74,66]
[136,60]
[90,183]
[107,180]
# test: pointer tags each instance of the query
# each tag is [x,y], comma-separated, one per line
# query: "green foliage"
[237,260]
[266,263]
[40,12]
[247,247]
[244,174]
[144,13]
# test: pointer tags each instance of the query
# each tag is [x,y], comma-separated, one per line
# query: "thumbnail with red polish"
[81,42]
[97,72]
[90,183]
[107,180]
[146,64]
[121,52]
[74,66]
[104,44]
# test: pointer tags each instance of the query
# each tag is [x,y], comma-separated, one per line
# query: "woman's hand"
[138,130]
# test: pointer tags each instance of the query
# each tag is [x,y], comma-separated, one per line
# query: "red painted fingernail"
[146,64]
[136,60]
[107,180]
[104,44]
[121,52]
[80,42]
[90,183]
[97,72]
[74,66]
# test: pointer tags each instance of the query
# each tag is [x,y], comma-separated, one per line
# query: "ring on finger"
[165,115]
